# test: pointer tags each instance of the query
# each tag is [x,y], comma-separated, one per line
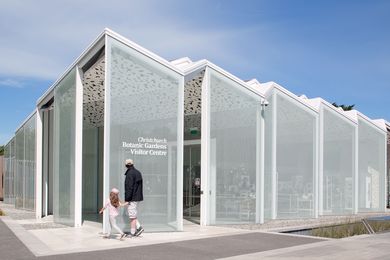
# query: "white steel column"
[179,168]
[260,164]
[78,150]
[106,145]
[321,164]
[205,152]
[38,164]
[317,159]
[274,147]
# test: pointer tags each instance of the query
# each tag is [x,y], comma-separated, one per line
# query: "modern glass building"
[212,148]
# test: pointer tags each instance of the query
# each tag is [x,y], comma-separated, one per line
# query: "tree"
[344,107]
[1,149]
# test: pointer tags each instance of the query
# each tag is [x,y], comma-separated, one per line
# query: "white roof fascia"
[258,86]
[341,112]
[25,121]
[195,66]
[387,123]
[142,50]
[235,79]
[10,140]
[253,82]
[315,102]
[370,121]
[205,63]
[265,88]
[380,123]
[273,85]
[182,62]
[84,53]
[352,114]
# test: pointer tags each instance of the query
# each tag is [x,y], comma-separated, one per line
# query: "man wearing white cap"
[133,195]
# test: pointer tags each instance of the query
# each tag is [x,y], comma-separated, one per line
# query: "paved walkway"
[23,237]
[355,248]
[207,248]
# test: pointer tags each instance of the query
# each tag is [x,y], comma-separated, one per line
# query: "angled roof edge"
[206,63]
[182,63]
[10,140]
[69,68]
[315,102]
[320,101]
[142,50]
[380,123]
[269,86]
[367,119]
[120,38]
[25,120]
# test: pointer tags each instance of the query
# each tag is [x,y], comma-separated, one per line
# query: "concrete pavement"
[24,237]
[356,248]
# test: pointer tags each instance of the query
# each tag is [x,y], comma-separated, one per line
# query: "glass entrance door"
[191,185]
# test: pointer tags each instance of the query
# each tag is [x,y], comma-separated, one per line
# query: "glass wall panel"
[29,174]
[295,159]
[6,172]
[143,126]
[234,114]
[64,150]
[11,173]
[338,164]
[371,187]
[19,168]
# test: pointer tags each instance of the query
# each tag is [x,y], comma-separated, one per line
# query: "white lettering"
[155,146]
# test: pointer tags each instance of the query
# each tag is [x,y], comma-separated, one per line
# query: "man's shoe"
[139,231]
[122,236]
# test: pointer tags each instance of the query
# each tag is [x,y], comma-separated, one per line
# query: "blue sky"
[339,50]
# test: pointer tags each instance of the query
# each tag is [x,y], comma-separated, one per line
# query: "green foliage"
[379,225]
[350,229]
[344,107]
[340,231]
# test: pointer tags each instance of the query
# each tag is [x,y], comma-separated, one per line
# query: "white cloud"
[11,83]
[41,39]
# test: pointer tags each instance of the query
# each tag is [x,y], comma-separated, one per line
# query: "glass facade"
[140,111]
[144,117]
[234,117]
[9,172]
[296,151]
[21,167]
[371,178]
[64,150]
[338,163]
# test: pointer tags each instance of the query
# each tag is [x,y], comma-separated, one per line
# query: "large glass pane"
[6,172]
[338,164]
[143,126]
[11,172]
[371,187]
[64,150]
[234,114]
[29,131]
[19,168]
[295,159]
